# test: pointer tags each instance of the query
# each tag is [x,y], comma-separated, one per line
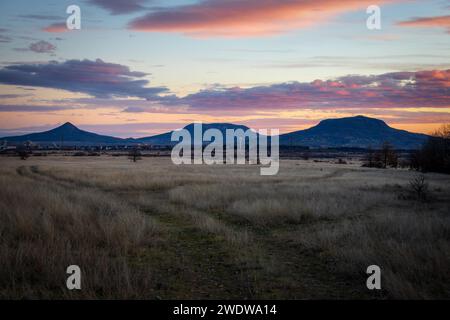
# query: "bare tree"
[135,155]
[435,153]
[419,187]
[443,132]
[23,153]
[370,159]
[382,158]
[388,155]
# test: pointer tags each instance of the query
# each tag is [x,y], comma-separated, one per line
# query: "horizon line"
[203,123]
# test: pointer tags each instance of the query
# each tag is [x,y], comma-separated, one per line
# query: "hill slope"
[359,132]
[68,134]
[165,138]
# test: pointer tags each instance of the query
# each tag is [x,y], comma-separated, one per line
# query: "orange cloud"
[56,28]
[435,78]
[243,18]
[441,21]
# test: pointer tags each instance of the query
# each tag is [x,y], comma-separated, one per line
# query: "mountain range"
[352,132]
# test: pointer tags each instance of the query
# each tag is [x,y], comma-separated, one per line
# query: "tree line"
[434,156]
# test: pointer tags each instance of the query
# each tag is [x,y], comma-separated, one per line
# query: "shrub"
[419,187]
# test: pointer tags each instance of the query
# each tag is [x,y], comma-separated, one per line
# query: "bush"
[419,187]
[80,154]
[24,153]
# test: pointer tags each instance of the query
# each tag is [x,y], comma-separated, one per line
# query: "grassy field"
[158,231]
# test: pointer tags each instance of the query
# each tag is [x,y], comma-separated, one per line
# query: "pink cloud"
[42,47]
[56,28]
[391,90]
[243,18]
[440,21]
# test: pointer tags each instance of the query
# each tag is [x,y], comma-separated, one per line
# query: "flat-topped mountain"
[165,137]
[358,132]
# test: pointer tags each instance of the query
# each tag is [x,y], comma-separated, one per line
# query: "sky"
[143,67]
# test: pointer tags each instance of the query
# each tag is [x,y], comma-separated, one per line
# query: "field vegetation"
[152,230]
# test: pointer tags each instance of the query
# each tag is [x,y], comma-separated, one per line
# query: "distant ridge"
[67,134]
[353,132]
[165,137]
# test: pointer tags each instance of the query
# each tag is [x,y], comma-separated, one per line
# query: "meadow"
[153,230]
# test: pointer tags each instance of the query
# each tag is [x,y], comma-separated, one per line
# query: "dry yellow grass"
[45,227]
[151,229]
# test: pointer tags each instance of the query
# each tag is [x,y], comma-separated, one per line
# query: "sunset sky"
[138,68]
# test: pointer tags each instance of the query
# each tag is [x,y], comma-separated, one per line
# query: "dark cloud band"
[96,78]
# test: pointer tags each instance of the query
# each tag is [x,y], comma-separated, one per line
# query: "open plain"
[154,230]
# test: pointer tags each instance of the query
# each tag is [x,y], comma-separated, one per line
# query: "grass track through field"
[193,264]
[199,264]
